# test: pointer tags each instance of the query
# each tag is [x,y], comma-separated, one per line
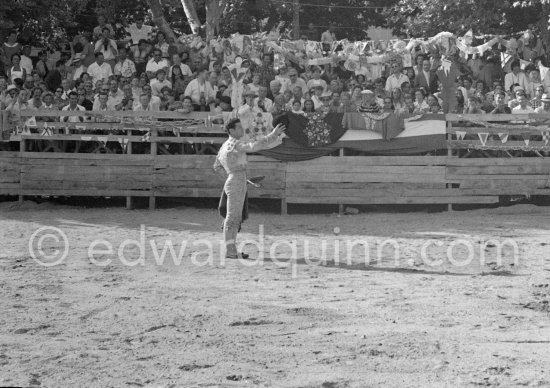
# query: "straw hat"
[545,97]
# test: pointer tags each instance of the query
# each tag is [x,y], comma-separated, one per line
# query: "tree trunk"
[214,12]
[160,21]
[192,17]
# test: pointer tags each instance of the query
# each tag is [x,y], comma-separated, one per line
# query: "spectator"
[73,106]
[396,78]
[187,106]
[420,104]
[139,31]
[262,102]
[328,37]
[545,104]
[184,69]
[19,103]
[99,70]
[16,70]
[523,105]
[26,61]
[127,95]
[158,83]
[107,47]
[534,83]
[47,103]
[9,48]
[516,77]
[266,71]
[36,99]
[141,53]
[156,63]
[79,68]
[54,77]
[83,100]
[200,90]
[474,106]
[274,90]
[538,92]
[115,94]
[316,79]
[311,33]
[162,45]
[124,67]
[98,30]
[295,81]
[41,66]
[309,106]
[144,104]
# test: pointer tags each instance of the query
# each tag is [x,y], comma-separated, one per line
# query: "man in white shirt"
[262,102]
[200,88]
[138,31]
[153,101]
[159,82]
[185,70]
[145,104]
[73,106]
[115,94]
[155,64]
[107,47]
[396,79]
[316,80]
[124,67]
[99,70]
[515,77]
[294,82]
[26,61]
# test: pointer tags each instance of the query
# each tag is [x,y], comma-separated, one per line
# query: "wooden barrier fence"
[477,170]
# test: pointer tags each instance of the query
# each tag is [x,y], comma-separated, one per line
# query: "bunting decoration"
[526,137]
[483,136]
[460,135]
[503,137]
[545,137]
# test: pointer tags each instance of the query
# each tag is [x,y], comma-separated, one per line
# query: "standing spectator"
[328,37]
[26,61]
[516,77]
[16,70]
[311,33]
[163,45]
[98,30]
[99,70]
[88,53]
[156,63]
[9,48]
[139,31]
[426,78]
[396,78]
[266,71]
[124,67]
[54,77]
[107,47]
[141,53]
[41,66]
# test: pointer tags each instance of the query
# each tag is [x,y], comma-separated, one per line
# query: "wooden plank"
[509,178]
[503,184]
[366,186]
[394,200]
[85,138]
[467,162]
[85,170]
[9,188]
[512,130]
[363,177]
[87,193]
[540,169]
[497,145]
[71,155]
[374,161]
[337,169]
[129,114]
[489,117]
[372,193]
[77,163]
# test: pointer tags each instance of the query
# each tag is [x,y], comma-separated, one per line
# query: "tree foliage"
[428,17]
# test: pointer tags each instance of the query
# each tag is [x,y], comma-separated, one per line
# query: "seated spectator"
[274,89]
[545,104]
[297,107]
[19,103]
[316,80]
[9,48]
[160,82]
[124,66]
[523,105]
[200,90]
[126,97]
[156,63]
[115,95]
[420,104]
[99,70]
[309,106]
[534,83]
[369,103]
[537,93]
[11,95]
[474,106]
[185,70]
[316,97]
[411,74]
[435,107]
[187,106]
[73,106]
[398,101]
[107,47]
[262,102]
[501,107]
[36,100]
[396,79]
[145,104]
[388,105]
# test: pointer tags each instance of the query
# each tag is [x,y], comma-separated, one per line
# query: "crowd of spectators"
[145,73]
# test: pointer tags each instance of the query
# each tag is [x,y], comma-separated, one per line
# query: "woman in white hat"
[545,104]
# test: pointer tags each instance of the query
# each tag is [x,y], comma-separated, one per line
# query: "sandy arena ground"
[285,323]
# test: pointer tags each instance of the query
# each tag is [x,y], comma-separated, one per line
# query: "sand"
[394,321]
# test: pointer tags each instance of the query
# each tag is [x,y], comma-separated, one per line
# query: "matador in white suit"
[232,160]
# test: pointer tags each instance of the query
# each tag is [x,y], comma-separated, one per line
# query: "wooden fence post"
[21,155]
[341,205]
[154,150]
[129,201]
[449,155]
